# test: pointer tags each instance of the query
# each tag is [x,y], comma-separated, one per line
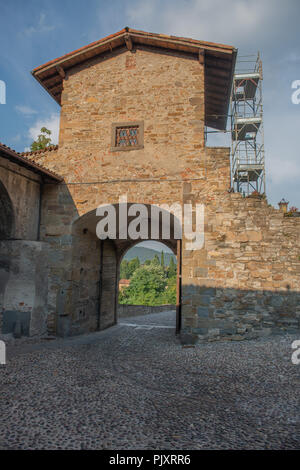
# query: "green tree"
[162,260]
[127,268]
[124,271]
[43,140]
[147,287]
[170,292]
[172,269]
[155,261]
[122,296]
[133,265]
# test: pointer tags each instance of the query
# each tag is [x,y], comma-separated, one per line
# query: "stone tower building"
[134,107]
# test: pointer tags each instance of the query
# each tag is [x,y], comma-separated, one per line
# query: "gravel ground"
[134,387]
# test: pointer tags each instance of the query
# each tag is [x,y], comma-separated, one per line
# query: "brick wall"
[23,188]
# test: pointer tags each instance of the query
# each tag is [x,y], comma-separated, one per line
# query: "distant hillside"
[144,253]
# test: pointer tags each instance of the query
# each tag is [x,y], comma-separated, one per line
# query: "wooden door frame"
[179,287]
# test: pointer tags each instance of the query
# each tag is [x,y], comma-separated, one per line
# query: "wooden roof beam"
[212,88]
[218,71]
[210,95]
[213,79]
[128,42]
[60,71]
[218,63]
[56,89]
[201,56]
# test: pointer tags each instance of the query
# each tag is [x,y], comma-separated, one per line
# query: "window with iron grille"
[127,136]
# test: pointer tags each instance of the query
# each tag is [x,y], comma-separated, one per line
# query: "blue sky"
[35,31]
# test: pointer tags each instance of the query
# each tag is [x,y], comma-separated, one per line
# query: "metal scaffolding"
[247,148]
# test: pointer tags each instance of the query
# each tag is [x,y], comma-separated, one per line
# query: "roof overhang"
[15,157]
[219,62]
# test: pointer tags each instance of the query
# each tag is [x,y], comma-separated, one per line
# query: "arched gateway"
[95,264]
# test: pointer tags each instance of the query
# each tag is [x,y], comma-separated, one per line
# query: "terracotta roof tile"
[37,152]
[22,159]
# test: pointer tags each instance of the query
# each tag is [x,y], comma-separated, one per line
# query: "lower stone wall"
[235,314]
[244,282]
[23,287]
[136,310]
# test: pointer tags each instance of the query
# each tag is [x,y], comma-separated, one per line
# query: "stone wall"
[166,92]
[64,261]
[23,286]
[125,311]
[23,258]
[243,282]
[23,188]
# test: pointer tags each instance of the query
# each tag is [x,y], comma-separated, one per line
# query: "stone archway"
[6,214]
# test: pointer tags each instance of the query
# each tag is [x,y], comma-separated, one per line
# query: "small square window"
[127,136]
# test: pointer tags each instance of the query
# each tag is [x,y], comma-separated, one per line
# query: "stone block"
[202,312]
[16,322]
[200,272]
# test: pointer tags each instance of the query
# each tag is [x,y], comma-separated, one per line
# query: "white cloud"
[270,26]
[51,123]
[26,110]
[233,21]
[40,27]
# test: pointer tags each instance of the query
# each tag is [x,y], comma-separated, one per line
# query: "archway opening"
[147,281]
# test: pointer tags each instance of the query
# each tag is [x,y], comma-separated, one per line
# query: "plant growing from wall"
[43,140]
[257,194]
[292,212]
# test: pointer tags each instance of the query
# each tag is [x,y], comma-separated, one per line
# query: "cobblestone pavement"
[134,387]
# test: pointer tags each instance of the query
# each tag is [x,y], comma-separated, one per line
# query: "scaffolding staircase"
[247,152]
